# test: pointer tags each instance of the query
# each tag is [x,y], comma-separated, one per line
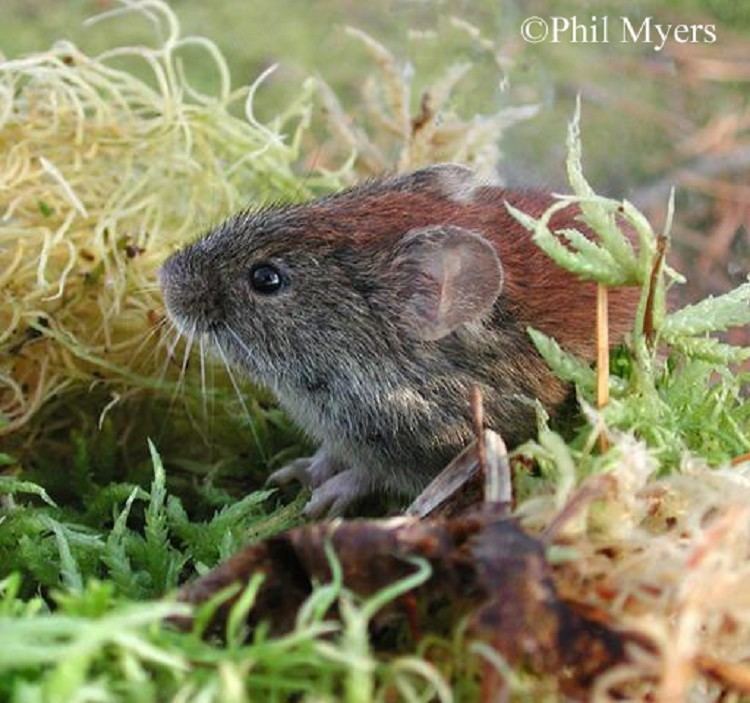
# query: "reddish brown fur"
[538,292]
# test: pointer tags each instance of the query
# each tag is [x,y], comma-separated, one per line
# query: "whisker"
[183,367]
[171,349]
[171,345]
[212,401]
[187,404]
[180,378]
[236,387]
[202,355]
[238,339]
[196,425]
[158,327]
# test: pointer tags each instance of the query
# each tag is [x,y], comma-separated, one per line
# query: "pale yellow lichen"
[102,174]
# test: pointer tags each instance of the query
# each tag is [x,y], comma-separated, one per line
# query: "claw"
[296,470]
[334,486]
[333,497]
[311,472]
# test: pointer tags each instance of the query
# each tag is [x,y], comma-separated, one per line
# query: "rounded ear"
[452,181]
[448,276]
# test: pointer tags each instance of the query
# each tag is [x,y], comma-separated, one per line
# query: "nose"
[165,271]
[173,275]
[193,293]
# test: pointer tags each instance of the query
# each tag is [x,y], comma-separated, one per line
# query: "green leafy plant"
[94,640]
[676,390]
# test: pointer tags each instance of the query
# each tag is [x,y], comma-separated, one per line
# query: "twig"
[477,414]
[447,486]
[498,484]
[602,354]
[492,456]
[648,314]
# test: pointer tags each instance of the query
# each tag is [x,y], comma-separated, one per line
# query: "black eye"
[265,279]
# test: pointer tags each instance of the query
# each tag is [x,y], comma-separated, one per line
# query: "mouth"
[187,307]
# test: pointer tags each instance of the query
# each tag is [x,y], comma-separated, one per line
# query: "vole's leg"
[311,471]
[332,498]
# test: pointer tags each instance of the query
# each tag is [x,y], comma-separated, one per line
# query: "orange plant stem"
[602,353]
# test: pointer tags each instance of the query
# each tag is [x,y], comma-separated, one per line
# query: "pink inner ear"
[448,274]
[459,277]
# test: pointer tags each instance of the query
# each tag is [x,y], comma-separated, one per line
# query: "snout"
[193,292]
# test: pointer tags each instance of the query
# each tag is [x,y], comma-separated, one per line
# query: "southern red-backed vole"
[370,313]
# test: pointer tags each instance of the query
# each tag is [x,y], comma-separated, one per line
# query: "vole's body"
[397,297]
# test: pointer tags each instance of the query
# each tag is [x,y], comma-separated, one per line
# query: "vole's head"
[287,289]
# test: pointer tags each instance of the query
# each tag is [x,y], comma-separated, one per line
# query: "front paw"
[311,471]
[333,497]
